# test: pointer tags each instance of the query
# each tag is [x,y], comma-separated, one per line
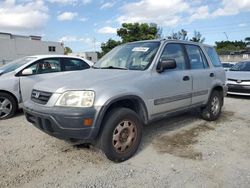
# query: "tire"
[121,134]
[8,106]
[212,110]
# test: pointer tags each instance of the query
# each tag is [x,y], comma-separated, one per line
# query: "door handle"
[186,78]
[211,74]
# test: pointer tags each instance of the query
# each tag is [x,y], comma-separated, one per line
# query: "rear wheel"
[212,110]
[121,134]
[8,106]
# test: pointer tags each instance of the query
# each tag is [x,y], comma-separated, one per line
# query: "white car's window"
[44,66]
[71,64]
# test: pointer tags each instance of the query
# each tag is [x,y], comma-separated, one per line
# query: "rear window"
[213,56]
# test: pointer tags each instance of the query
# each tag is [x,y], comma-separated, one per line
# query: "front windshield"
[132,56]
[241,66]
[15,64]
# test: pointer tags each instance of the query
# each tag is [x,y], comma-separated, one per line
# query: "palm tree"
[197,37]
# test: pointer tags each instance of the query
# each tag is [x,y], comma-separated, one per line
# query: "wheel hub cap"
[215,105]
[5,107]
[124,136]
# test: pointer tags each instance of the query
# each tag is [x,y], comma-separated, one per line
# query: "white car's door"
[42,69]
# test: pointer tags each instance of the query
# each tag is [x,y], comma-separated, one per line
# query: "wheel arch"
[132,102]
[9,93]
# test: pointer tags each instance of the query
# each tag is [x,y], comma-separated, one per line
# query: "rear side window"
[196,57]
[213,56]
[71,64]
[175,51]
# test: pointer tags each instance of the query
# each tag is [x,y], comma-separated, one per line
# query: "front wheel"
[212,110]
[121,134]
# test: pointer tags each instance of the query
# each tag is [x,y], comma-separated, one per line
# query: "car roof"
[172,40]
[60,56]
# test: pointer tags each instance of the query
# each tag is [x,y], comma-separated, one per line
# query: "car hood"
[238,75]
[88,79]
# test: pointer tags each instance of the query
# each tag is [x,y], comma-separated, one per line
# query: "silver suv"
[133,85]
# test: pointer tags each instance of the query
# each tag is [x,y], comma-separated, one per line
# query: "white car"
[18,77]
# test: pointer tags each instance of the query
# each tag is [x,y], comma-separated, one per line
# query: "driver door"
[41,70]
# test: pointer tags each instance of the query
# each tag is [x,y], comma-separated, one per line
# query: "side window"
[175,51]
[46,66]
[213,56]
[71,64]
[196,57]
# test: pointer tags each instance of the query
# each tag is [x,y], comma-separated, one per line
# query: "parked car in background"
[238,79]
[133,85]
[18,77]
[227,66]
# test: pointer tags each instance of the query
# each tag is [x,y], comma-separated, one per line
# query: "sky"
[84,24]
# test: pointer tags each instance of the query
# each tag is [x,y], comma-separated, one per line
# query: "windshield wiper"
[111,67]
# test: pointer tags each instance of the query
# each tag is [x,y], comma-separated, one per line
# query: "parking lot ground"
[183,151]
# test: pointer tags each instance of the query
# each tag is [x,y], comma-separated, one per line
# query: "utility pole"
[226,35]
[94,41]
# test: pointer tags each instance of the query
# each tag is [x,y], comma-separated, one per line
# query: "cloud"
[85,2]
[83,19]
[107,30]
[23,17]
[232,7]
[70,2]
[242,25]
[67,16]
[66,2]
[90,42]
[162,12]
[176,12]
[107,5]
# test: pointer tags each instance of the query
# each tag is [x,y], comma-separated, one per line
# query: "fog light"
[87,122]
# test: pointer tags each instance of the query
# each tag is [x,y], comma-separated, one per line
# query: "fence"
[234,58]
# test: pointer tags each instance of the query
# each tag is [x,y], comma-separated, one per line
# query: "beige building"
[17,46]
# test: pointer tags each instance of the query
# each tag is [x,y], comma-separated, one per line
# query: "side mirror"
[27,72]
[166,64]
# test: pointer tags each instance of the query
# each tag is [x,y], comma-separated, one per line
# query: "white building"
[92,56]
[17,46]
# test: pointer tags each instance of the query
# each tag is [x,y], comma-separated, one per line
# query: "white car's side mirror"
[27,72]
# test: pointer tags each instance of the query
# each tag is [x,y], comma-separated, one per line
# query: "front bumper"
[61,122]
[238,89]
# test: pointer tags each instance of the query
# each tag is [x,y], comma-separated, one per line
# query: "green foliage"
[180,35]
[67,50]
[197,37]
[130,32]
[107,46]
[227,47]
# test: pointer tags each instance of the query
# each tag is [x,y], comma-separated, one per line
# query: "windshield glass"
[132,56]
[15,64]
[241,66]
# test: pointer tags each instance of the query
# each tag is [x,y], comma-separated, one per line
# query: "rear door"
[172,89]
[202,75]
[42,69]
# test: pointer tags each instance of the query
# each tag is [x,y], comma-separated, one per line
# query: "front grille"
[238,88]
[234,80]
[40,97]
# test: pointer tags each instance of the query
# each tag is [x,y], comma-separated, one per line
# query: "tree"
[227,47]
[109,45]
[197,37]
[67,50]
[180,35]
[130,32]
[247,39]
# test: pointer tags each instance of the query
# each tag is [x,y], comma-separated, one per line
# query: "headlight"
[76,99]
